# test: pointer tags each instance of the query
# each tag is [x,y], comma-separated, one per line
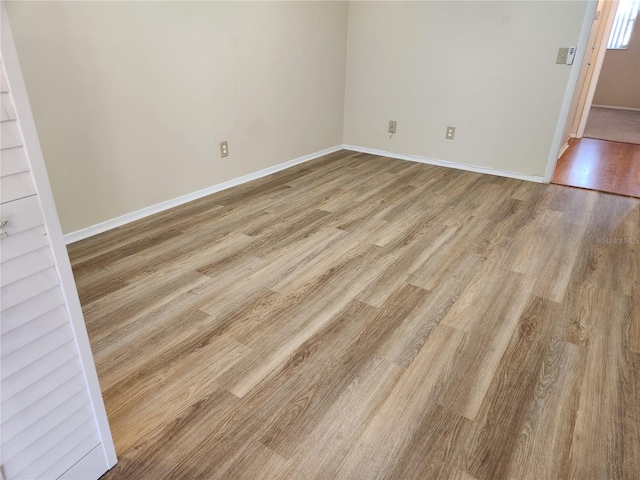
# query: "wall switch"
[224,149]
[562,56]
[571,55]
[392,126]
[451,132]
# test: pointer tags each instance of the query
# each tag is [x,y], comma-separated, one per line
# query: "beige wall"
[487,68]
[619,82]
[132,98]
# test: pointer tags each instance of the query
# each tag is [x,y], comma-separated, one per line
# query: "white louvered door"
[52,420]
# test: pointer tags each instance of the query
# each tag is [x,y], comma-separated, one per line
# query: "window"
[623,24]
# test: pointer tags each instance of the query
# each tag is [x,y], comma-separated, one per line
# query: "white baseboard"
[443,163]
[617,108]
[563,149]
[174,202]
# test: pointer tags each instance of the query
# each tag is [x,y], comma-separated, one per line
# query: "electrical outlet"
[392,126]
[451,132]
[224,149]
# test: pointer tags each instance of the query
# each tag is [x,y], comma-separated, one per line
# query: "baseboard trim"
[563,149]
[107,225]
[443,163]
[614,107]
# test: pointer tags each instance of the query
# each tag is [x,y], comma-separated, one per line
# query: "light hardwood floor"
[358,317]
[600,165]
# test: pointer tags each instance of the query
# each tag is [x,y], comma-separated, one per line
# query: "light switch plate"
[562,56]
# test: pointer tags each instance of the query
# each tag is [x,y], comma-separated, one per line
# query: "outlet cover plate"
[392,126]
[224,149]
[451,133]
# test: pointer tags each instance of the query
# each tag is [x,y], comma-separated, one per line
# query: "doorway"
[602,142]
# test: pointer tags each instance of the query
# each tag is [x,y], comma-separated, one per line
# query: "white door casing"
[600,51]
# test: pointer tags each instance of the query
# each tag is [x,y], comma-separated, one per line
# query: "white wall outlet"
[392,126]
[224,149]
[451,132]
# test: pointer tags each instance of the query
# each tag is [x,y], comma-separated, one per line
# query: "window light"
[623,24]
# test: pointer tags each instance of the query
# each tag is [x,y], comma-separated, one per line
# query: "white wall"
[131,99]
[487,68]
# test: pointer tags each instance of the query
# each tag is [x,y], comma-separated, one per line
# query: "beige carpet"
[613,125]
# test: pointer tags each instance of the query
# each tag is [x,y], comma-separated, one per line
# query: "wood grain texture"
[600,165]
[358,317]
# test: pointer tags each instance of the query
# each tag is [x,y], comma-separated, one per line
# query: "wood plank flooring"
[600,165]
[359,317]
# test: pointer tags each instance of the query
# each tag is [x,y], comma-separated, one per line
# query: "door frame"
[570,90]
[597,68]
